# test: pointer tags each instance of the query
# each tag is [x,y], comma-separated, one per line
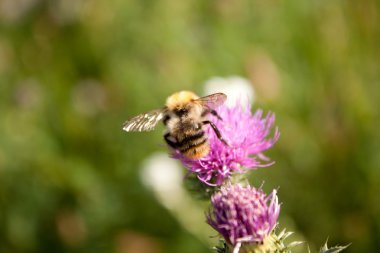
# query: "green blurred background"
[71,71]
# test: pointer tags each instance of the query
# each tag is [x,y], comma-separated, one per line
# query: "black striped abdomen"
[194,146]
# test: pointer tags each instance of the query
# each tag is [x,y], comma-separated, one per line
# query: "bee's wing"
[144,122]
[212,101]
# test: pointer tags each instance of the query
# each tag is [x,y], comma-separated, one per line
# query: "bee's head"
[180,99]
[181,111]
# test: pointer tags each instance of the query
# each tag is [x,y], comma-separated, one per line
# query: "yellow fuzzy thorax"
[179,99]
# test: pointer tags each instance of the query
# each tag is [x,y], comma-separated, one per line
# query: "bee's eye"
[180,112]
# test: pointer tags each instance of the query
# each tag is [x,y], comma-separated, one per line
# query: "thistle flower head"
[243,214]
[247,136]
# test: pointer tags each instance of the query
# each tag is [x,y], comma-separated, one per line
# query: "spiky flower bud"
[243,215]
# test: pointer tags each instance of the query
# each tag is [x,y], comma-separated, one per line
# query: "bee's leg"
[213,112]
[169,140]
[216,130]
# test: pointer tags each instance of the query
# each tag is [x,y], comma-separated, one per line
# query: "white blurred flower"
[237,89]
[164,177]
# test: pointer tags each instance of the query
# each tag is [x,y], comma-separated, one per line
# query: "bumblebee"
[185,116]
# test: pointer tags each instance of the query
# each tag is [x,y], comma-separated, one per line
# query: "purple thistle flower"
[247,136]
[243,214]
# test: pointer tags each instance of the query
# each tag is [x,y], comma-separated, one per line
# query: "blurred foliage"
[71,71]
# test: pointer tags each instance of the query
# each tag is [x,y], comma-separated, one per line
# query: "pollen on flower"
[243,214]
[247,134]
